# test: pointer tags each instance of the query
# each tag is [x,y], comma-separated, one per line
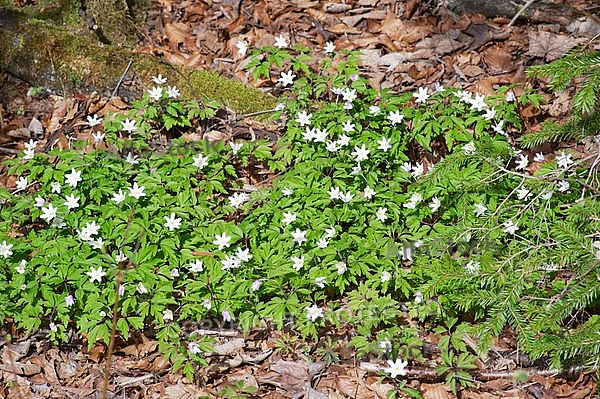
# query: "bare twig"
[114,93]
[520,12]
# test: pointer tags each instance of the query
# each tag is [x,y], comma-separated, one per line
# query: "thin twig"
[267,111]
[114,93]
[519,13]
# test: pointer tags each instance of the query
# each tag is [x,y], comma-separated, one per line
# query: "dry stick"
[122,77]
[518,14]
[113,331]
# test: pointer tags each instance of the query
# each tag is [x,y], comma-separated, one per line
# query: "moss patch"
[48,56]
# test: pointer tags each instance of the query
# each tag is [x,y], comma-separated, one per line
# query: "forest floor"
[405,45]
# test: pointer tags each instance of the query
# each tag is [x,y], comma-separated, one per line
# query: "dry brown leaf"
[550,46]
[176,33]
[434,391]
[497,59]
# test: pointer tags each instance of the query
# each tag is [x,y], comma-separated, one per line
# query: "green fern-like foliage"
[586,116]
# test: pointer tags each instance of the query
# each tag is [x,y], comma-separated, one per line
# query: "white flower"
[384,144]
[303,118]
[39,202]
[22,183]
[200,161]
[421,96]
[167,315]
[395,117]
[98,243]
[174,273]
[96,274]
[281,42]
[348,127]
[159,80]
[28,154]
[472,266]
[119,197]
[417,170]
[93,120]
[231,262]
[539,157]
[381,214]
[341,268]
[98,137]
[320,135]
[242,47]
[374,110]
[5,249]
[498,128]
[206,303]
[418,297]
[329,48]
[396,368]
[414,199]
[55,187]
[480,209]
[330,232]
[172,222]
[386,276]
[128,126]
[337,90]
[563,160]
[332,146]
[71,202]
[197,266]
[288,217]
[120,257]
[360,154]
[343,140]
[299,236]
[348,105]
[407,167]
[235,147]
[287,191]
[335,193]
[309,134]
[85,235]
[222,241]
[287,79]
[313,313]
[546,195]
[510,96]
[256,285]
[280,107]
[469,148]
[349,95]
[69,301]
[238,199]
[562,186]
[478,103]
[31,145]
[136,191]
[435,204]
[490,114]
[21,268]
[193,347]
[522,162]
[510,227]
[438,87]
[155,93]
[523,193]
[173,92]
[386,345]
[73,178]
[368,193]
[53,327]
[298,262]
[320,282]
[102,313]
[356,169]
[243,254]
[141,288]
[347,197]
[49,213]
[131,159]
[322,243]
